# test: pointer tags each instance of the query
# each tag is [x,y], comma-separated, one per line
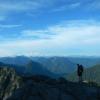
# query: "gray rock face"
[9,82]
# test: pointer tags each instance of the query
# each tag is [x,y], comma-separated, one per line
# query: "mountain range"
[19,75]
[31,68]
[55,65]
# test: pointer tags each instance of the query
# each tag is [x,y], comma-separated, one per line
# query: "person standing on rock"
[80,70]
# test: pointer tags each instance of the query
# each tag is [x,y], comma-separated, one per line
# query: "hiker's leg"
[79,79]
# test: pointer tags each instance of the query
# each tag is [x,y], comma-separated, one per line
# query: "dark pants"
[80,79]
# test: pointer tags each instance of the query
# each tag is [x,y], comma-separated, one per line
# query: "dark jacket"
[80,70]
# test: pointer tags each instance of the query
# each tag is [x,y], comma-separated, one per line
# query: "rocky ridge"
[43,88]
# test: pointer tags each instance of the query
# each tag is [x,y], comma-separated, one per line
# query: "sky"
[50,27]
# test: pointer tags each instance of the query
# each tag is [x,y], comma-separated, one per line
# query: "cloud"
[38,34]
[92,5]
[75,5]
[18,5]
[69,32]
[84,5]
[9,26]
[2,18]
[76,37]
[8,6]
[67,7]
[32,7]
[76,33]
[28,5]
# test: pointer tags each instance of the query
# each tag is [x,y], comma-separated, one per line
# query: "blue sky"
[49,27]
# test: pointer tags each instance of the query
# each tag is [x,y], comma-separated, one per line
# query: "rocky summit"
[38,87]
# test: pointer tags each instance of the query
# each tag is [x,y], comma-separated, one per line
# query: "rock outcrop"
[14,87]
[9,82]
[45,88]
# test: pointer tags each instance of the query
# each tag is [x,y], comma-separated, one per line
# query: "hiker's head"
[81,65]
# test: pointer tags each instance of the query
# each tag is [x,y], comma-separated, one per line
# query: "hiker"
[80,72]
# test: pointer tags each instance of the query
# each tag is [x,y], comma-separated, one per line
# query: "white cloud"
[62,8]
[67,7]
[75,5]
[71,38]
[25,5]
[70,32]
[92,5]
[38,34]
[7,6]
[9,26]
[2,18]
[33,32]
[18,6]
[87,5]
[35,5]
